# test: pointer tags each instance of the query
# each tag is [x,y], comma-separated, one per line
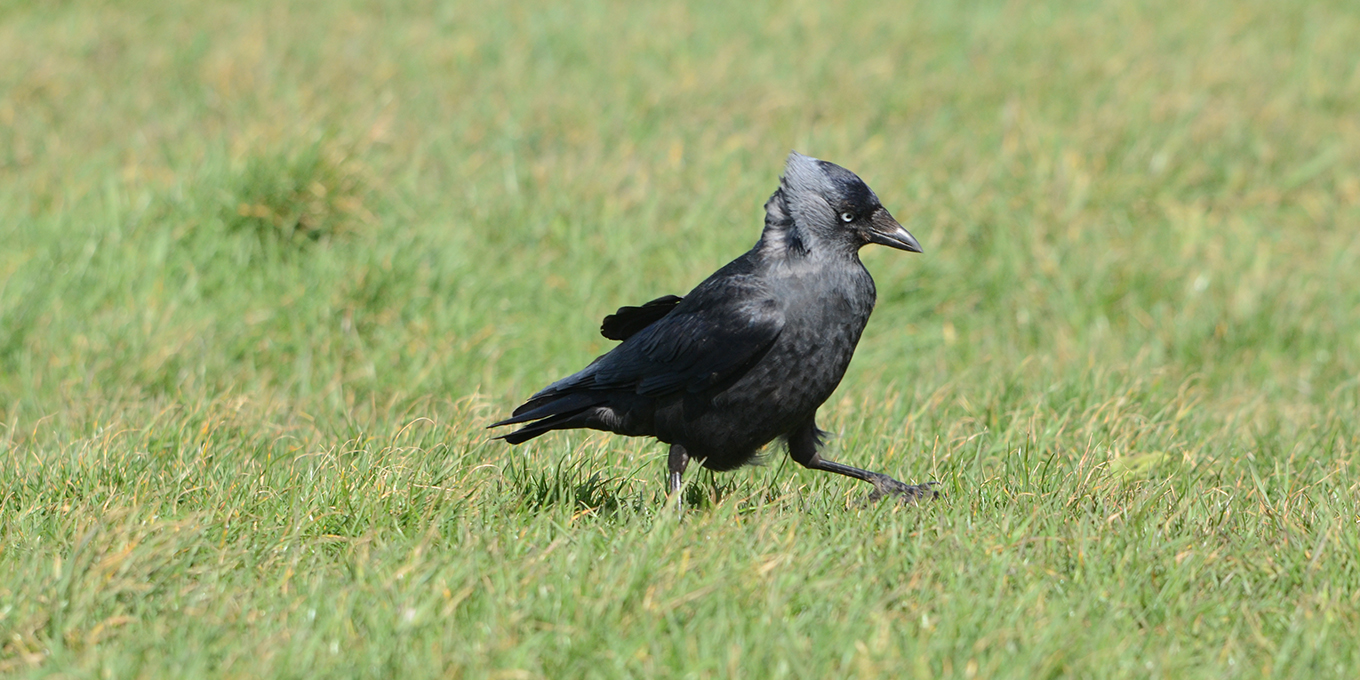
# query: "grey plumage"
[749,354]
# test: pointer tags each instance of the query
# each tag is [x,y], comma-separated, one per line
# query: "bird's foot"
[905,493]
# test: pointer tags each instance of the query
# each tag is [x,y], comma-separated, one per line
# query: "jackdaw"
[750,353]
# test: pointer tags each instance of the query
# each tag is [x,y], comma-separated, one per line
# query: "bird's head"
[825,202]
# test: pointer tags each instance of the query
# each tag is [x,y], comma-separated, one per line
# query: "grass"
[268,269]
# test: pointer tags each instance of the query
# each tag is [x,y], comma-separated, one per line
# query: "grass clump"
[295,197]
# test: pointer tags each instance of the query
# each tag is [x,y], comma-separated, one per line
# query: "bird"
[749,354]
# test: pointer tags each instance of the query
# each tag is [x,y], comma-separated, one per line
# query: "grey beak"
[885,231]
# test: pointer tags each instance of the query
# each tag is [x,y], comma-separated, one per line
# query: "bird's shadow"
[708,490]
[572,484]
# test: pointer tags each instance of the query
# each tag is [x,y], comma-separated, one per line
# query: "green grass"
[268,269]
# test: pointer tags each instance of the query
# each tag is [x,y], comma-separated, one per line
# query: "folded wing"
[703,342]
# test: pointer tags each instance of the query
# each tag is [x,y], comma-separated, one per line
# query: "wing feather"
[626,322]
[712,336]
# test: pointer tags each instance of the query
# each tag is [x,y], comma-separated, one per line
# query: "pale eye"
[847,217]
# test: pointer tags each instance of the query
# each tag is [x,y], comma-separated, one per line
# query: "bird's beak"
[885,231]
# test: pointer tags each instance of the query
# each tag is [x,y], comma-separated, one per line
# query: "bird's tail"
[547,413]
[558,422]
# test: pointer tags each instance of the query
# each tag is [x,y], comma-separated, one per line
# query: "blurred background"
[346,203]
[267,269]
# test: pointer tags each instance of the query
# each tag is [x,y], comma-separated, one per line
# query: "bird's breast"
[824,316]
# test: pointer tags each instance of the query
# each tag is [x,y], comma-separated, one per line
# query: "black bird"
[751,352]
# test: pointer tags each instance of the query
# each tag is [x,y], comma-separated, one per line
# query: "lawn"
[268,269]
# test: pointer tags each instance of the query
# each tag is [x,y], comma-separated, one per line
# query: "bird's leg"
[803,443]
[676,463]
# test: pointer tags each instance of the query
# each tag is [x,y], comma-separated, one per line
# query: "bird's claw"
[906,493]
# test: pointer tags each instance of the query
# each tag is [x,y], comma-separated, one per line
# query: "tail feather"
[540,408]
[549,413]
[561,421]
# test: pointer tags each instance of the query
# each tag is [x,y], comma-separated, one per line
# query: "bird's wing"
[716,334]
[626,322]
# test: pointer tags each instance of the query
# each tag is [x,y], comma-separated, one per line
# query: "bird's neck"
[784,240]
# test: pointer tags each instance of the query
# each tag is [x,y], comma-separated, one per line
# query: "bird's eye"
[847,217]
